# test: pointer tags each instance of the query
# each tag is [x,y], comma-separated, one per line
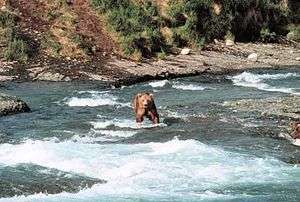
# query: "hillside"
[80,38]
[62,29]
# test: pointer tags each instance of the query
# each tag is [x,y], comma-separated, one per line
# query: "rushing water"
[79,134]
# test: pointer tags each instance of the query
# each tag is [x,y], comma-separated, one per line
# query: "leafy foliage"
[294,33]
[15,46]
[138,26]
[194,20]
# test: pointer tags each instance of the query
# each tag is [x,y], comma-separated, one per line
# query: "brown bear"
[295,130]
[143,105]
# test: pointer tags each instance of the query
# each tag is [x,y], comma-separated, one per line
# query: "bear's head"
[145,100]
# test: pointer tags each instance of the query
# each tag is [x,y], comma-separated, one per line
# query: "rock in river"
[28,179]
[11,105]
[288,107]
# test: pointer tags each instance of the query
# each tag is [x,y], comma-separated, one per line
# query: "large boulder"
[12,105]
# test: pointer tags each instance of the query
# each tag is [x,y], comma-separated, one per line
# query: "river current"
[83,135]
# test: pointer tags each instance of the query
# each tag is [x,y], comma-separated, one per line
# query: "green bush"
[138,25]
[16,50]
[15,47]
[197,21]
[53,45]
[7,19]
[193,20]
[84,43]
[294,33]
[267,36]
[106,5]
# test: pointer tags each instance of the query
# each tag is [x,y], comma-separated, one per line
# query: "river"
[202,150]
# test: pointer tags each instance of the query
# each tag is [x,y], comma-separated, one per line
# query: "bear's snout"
[146,103]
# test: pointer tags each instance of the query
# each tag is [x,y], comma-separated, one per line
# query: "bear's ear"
[151,95]
[139,95]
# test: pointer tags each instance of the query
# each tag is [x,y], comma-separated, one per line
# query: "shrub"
[107,5]
[16,50]
[245,19]
[267,36]
[7,19]
[294,33]
[229,36]
[84,43]
[15,47]
[137,24]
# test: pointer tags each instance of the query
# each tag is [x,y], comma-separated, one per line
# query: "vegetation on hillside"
[196,21]
[140,27]
[137,26]
[13,44]
[61,39]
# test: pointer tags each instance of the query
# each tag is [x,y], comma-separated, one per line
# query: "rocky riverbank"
[216,58]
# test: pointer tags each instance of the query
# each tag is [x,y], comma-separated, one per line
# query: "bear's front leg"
[153,116]
[139,119]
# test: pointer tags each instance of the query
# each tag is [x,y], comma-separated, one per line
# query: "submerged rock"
[288,107]
[11,105]
[28,179]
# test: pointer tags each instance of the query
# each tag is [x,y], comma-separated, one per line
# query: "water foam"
[191,87]
[156,84]
[247,79]
[95,136]
[148,171]
[117,133]
[124,123]
[94,99]
[109,194]
[90,139]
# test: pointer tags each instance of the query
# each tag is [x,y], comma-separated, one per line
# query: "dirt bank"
[215,58]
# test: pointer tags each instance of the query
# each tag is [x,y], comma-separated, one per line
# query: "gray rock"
[28,179]
[49,76]
[229,42]
[12,105]
[185,51]
[253,57]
